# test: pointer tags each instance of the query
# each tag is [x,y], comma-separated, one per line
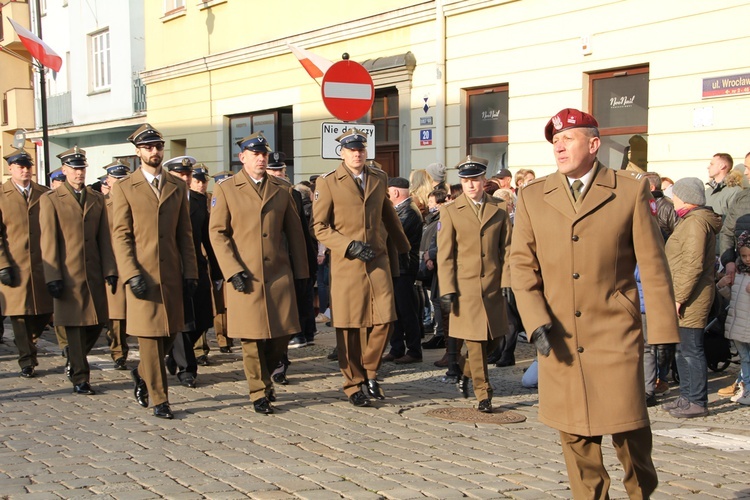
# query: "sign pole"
[43,97]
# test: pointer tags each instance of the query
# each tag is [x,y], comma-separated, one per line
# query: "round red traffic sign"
[347,89]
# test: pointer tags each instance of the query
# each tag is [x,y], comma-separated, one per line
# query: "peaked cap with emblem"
[75,157]
[117,169]
[353,139]
[19,157]
[200,172]
[57,175]
[146,134]
[255,142]
[472,166]
[276,160]
[182,164]
[222,176]
[566,119]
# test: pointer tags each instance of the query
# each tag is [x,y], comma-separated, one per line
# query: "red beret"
[568,118]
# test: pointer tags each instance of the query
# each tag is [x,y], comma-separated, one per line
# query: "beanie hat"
[690,190]
[436,171]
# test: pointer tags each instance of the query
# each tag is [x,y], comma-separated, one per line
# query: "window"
[384,115]
[619,102]
[276,125]
[100,61]
[172,6]
[487,134]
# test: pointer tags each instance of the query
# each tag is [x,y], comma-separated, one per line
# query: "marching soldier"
[198,311]
[78,260]
[23,294]
[577,237]
[117,324]
[256,234]
[352,217]
[473,246]
[153,244]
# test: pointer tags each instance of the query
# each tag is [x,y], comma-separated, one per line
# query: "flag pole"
[43,95]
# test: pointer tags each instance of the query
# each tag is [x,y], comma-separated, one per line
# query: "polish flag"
[40,50]
[315,65]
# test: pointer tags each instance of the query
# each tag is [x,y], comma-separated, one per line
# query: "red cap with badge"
[568,118]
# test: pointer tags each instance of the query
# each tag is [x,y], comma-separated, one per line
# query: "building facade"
[97,99]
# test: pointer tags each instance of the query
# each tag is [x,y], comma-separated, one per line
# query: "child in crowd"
[738,318]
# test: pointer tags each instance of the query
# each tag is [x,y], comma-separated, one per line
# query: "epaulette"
[280,181]
[535,181]
[223,180]
[328,173]
[630,174]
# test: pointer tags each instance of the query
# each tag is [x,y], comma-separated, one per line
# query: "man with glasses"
[23,293]
[153,244]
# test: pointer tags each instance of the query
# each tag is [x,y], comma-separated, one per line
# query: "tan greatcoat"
[20,237]
[115,301]
[153,237]
[249,234]
[575,270]
[361,293]
[473,263]
[77,249]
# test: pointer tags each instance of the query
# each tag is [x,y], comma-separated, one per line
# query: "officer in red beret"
[577,237]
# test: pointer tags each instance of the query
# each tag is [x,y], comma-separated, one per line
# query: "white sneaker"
[744,399]
[739,393]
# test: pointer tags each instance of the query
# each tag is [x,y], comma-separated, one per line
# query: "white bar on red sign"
[347,90]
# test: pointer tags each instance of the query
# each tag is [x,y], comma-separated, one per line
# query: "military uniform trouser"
[26,329]
[474,365]
[118,339]
[81,340]
[360,352]
[587,475]
[152,369]
[259,359]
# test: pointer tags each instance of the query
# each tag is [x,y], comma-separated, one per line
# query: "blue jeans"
[743,348]
[691,364]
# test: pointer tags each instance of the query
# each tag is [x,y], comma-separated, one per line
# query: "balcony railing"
[59,109]
[139,95]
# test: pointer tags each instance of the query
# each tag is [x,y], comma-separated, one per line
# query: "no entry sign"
[348,91]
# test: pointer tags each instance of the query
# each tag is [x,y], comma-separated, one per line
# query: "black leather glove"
[112,282]
[238,281]
[138,286]
[539,339]
[6,276]
[359,250]
[446,302]
[191,285]
[55,288]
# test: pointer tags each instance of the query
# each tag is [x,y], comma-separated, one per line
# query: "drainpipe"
[439,82]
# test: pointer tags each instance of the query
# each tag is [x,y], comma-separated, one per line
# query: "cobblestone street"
[56,444]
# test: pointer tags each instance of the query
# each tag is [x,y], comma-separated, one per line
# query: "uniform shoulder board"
[328,173]
[629,173]
[223,180]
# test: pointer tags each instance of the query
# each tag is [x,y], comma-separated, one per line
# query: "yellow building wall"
[533,46]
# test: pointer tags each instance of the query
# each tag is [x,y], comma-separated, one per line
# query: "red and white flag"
[315,65]
[37,48]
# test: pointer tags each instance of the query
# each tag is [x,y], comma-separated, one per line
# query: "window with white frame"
[100,61]
[171,6]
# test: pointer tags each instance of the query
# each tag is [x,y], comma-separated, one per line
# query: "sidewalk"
[56,444]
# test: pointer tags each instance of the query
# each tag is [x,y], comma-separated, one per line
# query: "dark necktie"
[25,195]
[155,183]
[576,188]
